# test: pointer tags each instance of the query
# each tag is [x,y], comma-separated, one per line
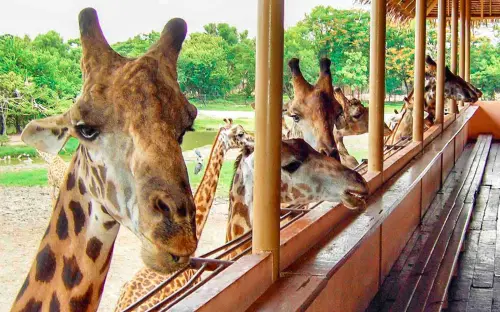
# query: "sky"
[122,19]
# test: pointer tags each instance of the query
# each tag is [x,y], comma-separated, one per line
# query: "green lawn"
[35,177]
[38,177]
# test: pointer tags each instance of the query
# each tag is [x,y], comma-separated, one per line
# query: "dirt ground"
[24,215]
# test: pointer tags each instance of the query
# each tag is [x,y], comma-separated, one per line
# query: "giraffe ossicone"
[128,170]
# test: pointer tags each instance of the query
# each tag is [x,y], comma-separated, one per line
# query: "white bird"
[199,162]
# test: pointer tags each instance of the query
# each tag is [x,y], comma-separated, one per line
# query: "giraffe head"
[314,109]
[454,86]
[130,120]
[306,176]
[234,136]
[355,115]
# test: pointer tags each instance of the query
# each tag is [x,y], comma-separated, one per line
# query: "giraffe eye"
[292,167]
[240,135]
[295,118]
[87,132]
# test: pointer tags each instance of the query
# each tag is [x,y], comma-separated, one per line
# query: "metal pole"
[268,101]
[467,40]
[377,86]
[419,84]
[441,62]
[454,46]
[462,42]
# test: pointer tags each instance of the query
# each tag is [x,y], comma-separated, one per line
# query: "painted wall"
[486,120]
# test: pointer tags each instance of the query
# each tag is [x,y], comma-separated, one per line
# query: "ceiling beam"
[432,5]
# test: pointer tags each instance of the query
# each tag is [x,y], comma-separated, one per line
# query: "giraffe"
[55,172]
[455,88]
[128,170]
[230,136]
[314,110]
[356,123]
[307,176]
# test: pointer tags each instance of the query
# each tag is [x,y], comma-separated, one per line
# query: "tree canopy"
[41,76]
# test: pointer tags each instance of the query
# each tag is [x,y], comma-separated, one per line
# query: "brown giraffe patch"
[296,193]
[109,224]
[71,274]
[55,306]
[90,208]
[108,259]
[93,190]
[62,225]
[70,181]
[47,231]
[78,216]
[102,173]
[241,190]
[104,210]
[284,187]
[304,187]
[237,230]
[81,187]
[33,306]
[93,250]
[45,265]
[81,303]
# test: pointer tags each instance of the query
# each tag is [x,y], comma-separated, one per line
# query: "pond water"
[197,139]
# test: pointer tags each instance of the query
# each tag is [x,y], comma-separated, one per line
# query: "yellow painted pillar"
[419,84]
[377,86]
[441,61]
[467,40]
[454,46]
[462,42]
[268,101]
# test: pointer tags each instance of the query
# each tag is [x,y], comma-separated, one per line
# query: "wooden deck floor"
[477,284]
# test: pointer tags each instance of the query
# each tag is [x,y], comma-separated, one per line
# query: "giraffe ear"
[47,135]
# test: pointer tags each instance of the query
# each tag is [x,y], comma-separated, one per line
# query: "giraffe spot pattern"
[237,230]
[70,182]
[109,224]
[104,210]
[78,216]
[71,274]
[90,208]
[111,194]
[32,306]
[108,260]
[54,306]
[93,250]
[62,225]
[45,265]
[81,187]
[81,303]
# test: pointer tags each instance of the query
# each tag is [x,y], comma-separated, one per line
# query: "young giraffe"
[55,173]
[230,136]
[128,170]
[306,177]
[455,88]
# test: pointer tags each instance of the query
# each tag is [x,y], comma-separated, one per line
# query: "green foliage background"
[41,76]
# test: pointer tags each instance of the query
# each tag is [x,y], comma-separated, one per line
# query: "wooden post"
[377,86]
[419,85]
[467,40]
[441,62]
[462,42]
[268,101]
[454,46]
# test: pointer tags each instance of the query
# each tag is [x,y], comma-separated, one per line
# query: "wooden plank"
[480,300]
[489,175]
[457,306]
[416,291]
[492,206]
[497,249]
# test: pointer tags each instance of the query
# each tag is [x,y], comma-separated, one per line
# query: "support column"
[377,86]
[454,46]
[462,41]
[467,40]
[268,102]
[441,61]
[419,80]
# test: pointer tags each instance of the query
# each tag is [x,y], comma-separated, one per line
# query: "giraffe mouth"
[354,200]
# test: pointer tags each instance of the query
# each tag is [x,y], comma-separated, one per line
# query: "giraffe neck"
[48,158]
[205,194]
[72,262]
